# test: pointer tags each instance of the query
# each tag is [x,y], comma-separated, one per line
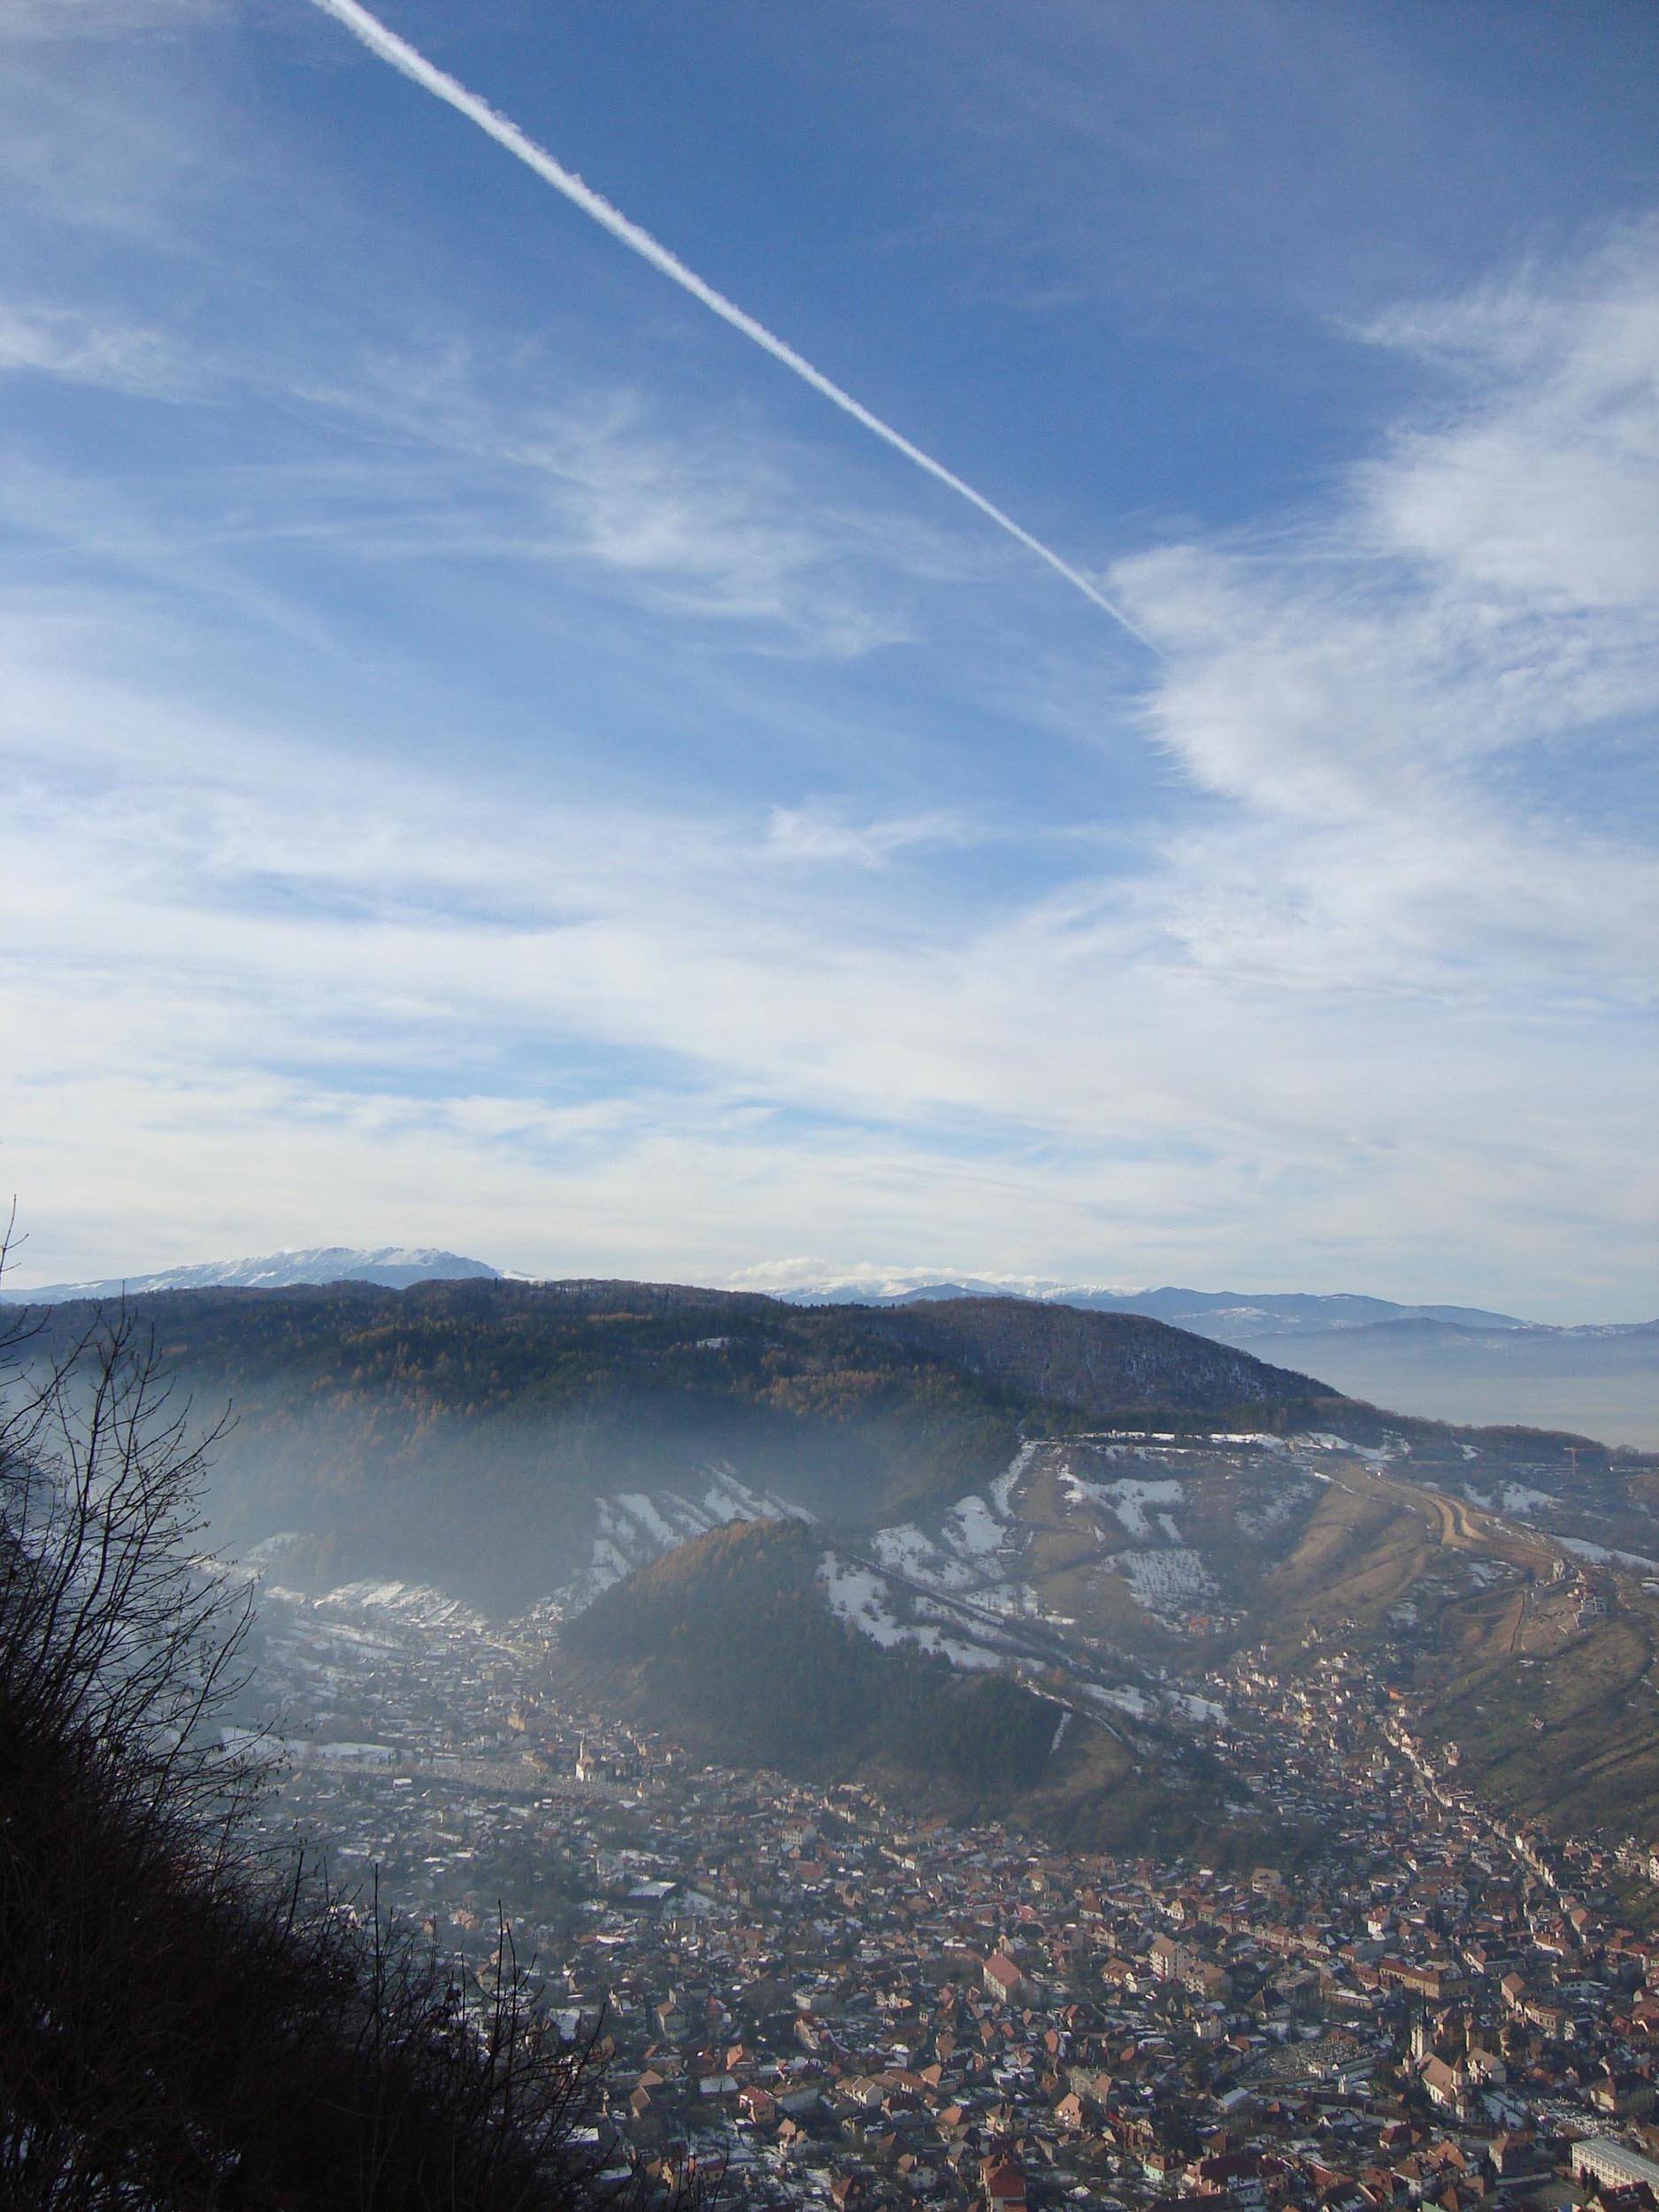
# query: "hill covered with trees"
[460,1430]
[730,1639]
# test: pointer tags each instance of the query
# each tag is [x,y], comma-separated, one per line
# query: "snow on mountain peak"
[393,1266]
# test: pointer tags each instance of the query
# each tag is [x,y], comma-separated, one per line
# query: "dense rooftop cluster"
[831,2000]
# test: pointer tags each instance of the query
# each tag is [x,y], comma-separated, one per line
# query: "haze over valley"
[1097,1506]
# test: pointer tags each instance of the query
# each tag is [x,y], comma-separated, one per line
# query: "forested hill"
[729,1639]
[455,1432]
[1104,1365]
[731,1644]
[474,1346]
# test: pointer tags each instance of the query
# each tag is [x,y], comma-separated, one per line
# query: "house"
[1237,2175]
[1003,2182]
[1436,1978]
[1169,1960]
[1514,2152]
[1624,2096]
[1006,1980]
[647,2120]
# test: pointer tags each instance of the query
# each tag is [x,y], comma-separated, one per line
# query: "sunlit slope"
[1130,1578]
[1516,1666]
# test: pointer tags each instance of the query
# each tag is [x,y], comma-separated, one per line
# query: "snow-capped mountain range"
[394,1266]
[1231,1316]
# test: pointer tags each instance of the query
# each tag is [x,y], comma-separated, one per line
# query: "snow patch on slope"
[1285,1503]
[1581,1548]
[1128,1499]
[1003,1489]
[1169,1584]
[416,1603]
[1523,1504]
[632,1528]
[970,1553]
[862,1597]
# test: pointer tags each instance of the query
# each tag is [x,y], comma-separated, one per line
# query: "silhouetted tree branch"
[178,2027]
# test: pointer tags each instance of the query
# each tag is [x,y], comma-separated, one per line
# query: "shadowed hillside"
[730,1637]
[728,1643]
[1106,1367]
[461,1431]
[183,2022]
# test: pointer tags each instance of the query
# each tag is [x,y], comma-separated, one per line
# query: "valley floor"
[832,2002]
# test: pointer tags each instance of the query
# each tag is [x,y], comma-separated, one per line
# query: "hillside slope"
[466,1432]
[731,1645]
[730,1637]
[1103,1367]
[1141,1585]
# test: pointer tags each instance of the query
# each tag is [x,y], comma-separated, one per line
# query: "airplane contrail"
[374,35]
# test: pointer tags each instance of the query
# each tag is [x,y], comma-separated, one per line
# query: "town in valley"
[823,1997]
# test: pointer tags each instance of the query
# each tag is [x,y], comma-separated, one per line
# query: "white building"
[1598,2157]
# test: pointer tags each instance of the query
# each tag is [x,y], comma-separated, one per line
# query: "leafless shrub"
[177,2028]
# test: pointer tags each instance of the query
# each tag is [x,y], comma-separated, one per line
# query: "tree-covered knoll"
[734,1640]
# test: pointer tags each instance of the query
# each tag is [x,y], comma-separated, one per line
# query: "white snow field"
[1169,1584]
[632,1528]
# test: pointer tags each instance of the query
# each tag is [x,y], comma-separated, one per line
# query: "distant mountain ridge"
[1228,1316]
[1459,1363]
[393,1266]
[1456,1363]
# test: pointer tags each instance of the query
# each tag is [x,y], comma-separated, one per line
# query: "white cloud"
[411,459]
[251,973]
[63,19]
[821,833]
[707,533]
[76,349]
[1366,1001]
[1393,694]
[1537,495]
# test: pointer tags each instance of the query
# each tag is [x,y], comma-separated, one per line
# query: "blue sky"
[492,760]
